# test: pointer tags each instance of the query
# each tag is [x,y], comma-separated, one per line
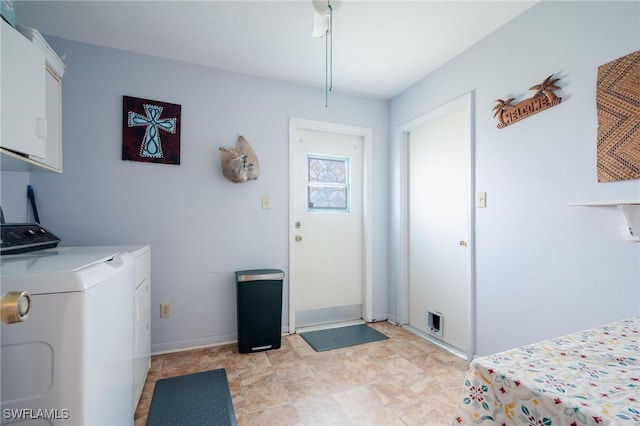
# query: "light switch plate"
[481,200]
[266,202]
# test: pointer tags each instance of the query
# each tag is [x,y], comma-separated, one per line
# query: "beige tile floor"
[404,380]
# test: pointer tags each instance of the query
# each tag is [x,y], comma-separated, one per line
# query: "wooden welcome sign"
[544,98]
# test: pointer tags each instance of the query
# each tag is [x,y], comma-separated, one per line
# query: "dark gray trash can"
[259,299]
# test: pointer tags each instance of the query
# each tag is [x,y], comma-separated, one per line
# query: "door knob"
[298,225]
[298,238]
[464,243]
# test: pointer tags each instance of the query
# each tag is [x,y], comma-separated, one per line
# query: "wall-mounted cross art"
[150,131]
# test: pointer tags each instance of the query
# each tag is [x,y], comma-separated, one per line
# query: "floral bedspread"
[587,378]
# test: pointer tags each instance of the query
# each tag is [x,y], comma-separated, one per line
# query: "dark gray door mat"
[193,399]
[341,337]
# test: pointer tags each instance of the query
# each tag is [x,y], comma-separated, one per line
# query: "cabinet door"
[23,94]
[53,157]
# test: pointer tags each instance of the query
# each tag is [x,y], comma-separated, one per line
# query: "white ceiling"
[380,47]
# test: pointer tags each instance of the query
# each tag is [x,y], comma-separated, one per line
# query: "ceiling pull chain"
[330,47]
[328,80]
[326,70]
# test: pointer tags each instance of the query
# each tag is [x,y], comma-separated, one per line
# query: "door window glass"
[328,183]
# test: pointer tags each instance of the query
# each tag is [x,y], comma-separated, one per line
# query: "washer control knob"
[15,306]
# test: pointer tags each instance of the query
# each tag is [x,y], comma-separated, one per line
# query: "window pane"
[328,183]
[327,197]
[327,171]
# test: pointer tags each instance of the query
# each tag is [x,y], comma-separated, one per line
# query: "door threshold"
[329,325]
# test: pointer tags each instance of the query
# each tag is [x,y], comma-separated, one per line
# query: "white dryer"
[70,361]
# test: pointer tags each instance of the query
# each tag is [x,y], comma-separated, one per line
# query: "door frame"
[367,210]
[402,132]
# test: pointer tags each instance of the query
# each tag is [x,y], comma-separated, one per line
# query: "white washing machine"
[70,361]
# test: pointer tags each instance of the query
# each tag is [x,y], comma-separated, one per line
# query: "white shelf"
[630,210]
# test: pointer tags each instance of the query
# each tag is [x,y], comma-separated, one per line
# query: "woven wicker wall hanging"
[618,102]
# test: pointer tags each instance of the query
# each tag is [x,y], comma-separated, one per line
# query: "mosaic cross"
[151,146]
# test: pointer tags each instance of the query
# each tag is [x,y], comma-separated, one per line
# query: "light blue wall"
[13,197]
[200,226]
[543,268]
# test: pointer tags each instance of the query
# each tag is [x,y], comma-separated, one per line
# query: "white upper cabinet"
[31,88]
[23,94]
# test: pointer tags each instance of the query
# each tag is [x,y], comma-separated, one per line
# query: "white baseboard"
[437,342]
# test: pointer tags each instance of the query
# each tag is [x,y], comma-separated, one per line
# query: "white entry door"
[327,269]
[439,183]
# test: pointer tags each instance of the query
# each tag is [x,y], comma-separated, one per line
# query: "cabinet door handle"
[41,128]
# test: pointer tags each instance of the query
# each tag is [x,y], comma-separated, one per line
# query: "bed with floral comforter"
[587,378]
